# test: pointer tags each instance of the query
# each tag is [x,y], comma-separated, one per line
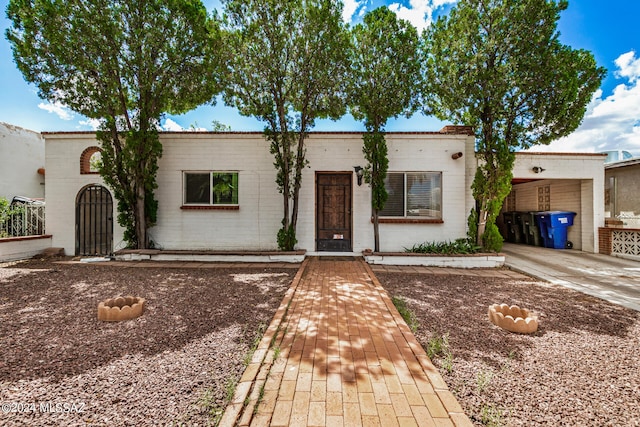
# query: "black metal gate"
[94,221]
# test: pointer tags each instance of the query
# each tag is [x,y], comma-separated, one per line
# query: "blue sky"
[608,29]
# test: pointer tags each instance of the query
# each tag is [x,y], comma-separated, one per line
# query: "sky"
[608,29]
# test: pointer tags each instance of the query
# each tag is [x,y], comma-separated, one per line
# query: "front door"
[333,211]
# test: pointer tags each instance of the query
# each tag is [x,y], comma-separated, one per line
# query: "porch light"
[538,169]
[456,156]
[359,174]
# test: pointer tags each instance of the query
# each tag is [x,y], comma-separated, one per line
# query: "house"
[335,212]
[21,163]
[217,191]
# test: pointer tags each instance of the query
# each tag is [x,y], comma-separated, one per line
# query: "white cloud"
[91,123]
[172,126]
[350,9]
[58,109]
[611,122]
[629,66]
[420,12]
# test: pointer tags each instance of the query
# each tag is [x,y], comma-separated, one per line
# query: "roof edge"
[541,153]
[447,130]
[622,164]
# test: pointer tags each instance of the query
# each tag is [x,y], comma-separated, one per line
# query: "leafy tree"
[218,126]
[288,68]
[6,212]
[384,83]
[498,66]
[124,63]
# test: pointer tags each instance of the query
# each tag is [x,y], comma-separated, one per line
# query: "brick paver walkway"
[338,353]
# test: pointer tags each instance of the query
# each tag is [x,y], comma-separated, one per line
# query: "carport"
[571,182]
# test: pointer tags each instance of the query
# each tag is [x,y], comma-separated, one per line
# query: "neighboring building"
[217,191]
[622,180]
[21,163]
[617,156]
[621,235]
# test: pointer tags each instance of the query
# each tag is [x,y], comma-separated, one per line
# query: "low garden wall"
[482,260]
[15,248]
[620,242]
[209,256]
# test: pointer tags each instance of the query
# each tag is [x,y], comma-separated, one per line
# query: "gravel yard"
[59,365]
[582,367]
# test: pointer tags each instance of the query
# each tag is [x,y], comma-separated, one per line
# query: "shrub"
[459,246]
[287,238]
[6,212]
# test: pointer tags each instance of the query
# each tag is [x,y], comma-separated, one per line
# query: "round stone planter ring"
[120,308]
[513,318]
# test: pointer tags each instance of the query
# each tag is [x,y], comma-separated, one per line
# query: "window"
[95,161]
[210,188]
[413,195]
[90,160]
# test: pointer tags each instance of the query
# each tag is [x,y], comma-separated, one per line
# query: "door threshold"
[334,254]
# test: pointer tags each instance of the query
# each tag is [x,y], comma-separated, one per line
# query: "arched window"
[90,160]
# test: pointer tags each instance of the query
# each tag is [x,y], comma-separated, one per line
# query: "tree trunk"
[286,182]
[140,219]
[482,226]
[297,177]
[376,233]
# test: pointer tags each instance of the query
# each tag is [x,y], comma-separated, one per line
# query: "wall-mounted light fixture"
[456,156]
[359,173]
[538,169]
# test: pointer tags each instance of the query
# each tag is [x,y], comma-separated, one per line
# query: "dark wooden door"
[333,212]
[94,221]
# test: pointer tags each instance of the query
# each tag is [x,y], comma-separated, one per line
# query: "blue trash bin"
[554,227]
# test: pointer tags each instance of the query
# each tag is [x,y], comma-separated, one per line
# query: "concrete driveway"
[614,279]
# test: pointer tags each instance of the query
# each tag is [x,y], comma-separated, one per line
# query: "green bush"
[287,238]
[458,246]
[492,238]
[472,222]
[6,212]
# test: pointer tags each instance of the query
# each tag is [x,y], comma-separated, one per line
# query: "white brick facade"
[254,225]
[576,182]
